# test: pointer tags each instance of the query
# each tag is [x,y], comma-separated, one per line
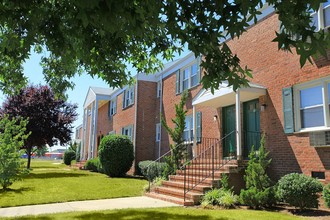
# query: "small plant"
[92,165]
[69,156]
[116,155]
[259,192]
[326,195]
[151,169]
[225,182]
[299,190]
[156,182]
[219,197]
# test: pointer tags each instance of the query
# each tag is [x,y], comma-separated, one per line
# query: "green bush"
[326,195]
[69,156]
[116,155]
[156,182]
[92,165]
[259,191]
[151,169]
[299,190]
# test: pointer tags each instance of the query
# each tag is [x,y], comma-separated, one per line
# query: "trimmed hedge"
[299,190]
[116,155]
[69,156]
[92,165]
[151,169]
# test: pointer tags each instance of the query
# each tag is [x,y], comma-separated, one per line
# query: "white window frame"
[189,128]
[158,132]
[325,98]
[190,76]
[159,88]
[320,16]
[128,99]
[113,106]
[129,130]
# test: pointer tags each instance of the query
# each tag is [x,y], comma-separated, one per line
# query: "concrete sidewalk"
[89,205]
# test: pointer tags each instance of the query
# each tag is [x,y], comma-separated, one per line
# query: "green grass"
[169,213]
[51,183]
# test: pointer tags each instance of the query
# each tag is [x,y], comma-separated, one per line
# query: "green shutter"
[132,94]
[177,82]
[124,93]
[109,115]
[199,61]
[288,110]
[199,126]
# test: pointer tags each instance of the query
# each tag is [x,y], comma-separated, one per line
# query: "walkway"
[89,205]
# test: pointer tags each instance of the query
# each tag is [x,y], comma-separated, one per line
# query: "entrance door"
[251,126]
[229,127]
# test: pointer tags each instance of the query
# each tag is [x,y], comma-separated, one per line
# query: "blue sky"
[33,71]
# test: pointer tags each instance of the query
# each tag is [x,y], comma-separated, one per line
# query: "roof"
[97,92]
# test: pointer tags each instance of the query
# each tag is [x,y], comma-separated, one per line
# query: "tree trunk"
[29,154]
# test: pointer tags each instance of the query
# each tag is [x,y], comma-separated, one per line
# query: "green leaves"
[104,37]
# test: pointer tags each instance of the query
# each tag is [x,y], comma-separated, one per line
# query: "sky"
[33,71]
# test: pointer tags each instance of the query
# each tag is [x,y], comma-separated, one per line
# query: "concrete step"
[200,188]
[170,199]
[178,193]
[180,178]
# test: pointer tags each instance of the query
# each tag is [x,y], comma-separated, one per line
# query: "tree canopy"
[49,119]
[101,37]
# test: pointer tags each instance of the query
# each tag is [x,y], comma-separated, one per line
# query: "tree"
[176,133]
[12,136]
[259,191]
[50,118]
[41,151]
[102,37]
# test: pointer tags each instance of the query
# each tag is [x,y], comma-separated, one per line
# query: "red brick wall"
[146,121]
[275,70]
[210,128]
[103,123]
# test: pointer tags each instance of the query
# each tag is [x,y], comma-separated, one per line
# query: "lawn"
[168,214]
[51,182]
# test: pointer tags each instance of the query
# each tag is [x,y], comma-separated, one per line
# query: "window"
[187,77]
[311,101]
[128,131]
[188,133]
[159,89]
[158,132]
[324,14]
[128,97]
[113,107]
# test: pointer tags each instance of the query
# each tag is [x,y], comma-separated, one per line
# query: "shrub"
[151,169]
[92,165]
[326,195]
[299,190]
[69,156]
[220,197]
[156,182]
[259,192]
[116,155]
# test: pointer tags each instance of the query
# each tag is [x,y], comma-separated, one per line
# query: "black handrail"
[211,157]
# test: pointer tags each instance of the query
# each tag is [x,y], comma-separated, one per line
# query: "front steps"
[173,189]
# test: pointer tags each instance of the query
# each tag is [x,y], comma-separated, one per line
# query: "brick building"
[287,103]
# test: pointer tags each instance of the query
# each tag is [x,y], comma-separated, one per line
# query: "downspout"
[160,115]
[135,119]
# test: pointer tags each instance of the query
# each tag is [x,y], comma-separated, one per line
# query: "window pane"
[194,81]
[311,97]
[312,117]
[185,84]
[186,74]
[315,21]
[326,16]
[194,69]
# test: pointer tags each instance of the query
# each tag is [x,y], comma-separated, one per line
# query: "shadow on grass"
[143,214]
[311,213]
[54,175]
[20,190]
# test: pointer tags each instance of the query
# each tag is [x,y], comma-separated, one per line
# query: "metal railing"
[203,165]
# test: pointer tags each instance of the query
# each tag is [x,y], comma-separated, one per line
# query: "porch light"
[215,118]
[263,107]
